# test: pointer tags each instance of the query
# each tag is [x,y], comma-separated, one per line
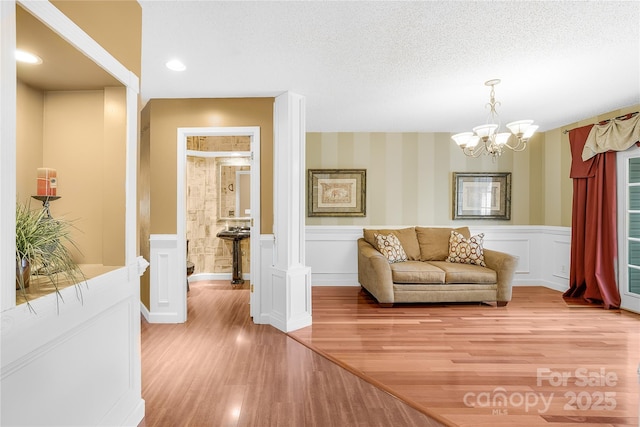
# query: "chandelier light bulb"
[462,138]
[519,127]
[530,131]
[485,131]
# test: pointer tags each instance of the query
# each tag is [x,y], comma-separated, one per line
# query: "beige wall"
[409,175]
[115,25]
[165,116]
[160,120]
[114,158]
[29,117]
[84,140]
[144,202]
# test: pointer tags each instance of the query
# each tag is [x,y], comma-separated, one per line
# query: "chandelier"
[486,139]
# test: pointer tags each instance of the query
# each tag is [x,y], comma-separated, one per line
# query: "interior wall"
[114,158]
[144,202]
[29,125]
[115,25]
[84,134]
[410,176]
[167,115]
[73,128]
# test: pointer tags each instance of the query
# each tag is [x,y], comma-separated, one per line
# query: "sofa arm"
[505,267]
[374,273]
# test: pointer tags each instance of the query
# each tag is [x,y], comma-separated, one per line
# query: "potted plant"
[43,246]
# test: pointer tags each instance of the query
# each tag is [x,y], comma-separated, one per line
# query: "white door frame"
[629,301]
[254,133]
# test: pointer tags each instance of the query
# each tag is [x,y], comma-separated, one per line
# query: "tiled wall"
[209,253]
[229,190]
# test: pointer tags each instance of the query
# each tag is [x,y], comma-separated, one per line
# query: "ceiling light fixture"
[176,65]
[485,139]
[27,57]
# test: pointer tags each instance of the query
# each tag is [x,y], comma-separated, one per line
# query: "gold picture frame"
[336,192]
[482,195]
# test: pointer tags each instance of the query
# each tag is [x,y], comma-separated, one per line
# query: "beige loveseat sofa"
[426,276]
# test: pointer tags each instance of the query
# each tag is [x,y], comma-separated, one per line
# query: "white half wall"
[78,364]
[544,253]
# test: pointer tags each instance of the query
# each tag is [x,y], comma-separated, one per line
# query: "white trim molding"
[181,222]
[544,253]
[168,283]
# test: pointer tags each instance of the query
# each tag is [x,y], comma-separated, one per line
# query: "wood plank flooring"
[219,369]
[540,361]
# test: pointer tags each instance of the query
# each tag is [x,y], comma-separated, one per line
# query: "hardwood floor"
[219,369]
[540,361]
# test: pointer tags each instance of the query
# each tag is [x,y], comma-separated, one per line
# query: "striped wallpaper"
[410,175]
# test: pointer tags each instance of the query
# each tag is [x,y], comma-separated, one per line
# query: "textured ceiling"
[400,66]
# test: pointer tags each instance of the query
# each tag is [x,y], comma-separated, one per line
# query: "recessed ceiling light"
[176,65]
[27,57]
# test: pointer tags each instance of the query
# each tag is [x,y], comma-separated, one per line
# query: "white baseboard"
[136,416]
[335,279]
[216,276]
[145,312]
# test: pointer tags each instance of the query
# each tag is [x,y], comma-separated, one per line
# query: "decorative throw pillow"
[390,247]
[466,251]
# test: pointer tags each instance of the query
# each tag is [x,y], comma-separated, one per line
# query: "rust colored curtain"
[593,225]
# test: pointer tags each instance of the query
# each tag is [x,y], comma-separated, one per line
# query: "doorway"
[249,216]
[628,169]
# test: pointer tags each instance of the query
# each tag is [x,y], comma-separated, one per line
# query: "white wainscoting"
[78,364]
[263,289]
[168,285]
[544,253]
[166,282]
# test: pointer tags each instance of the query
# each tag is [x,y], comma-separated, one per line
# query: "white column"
[291,279]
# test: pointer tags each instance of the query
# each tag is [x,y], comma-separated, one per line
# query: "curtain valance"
[615,135]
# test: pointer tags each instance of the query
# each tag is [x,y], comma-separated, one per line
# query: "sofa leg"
[502,303]
[386,304]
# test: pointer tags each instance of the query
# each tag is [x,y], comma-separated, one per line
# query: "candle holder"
[45,203]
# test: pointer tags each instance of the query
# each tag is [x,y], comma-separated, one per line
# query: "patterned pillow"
[390,247]
[466,251]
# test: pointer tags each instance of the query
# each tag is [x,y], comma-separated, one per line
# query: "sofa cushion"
[466,251]
[390,247]
[433,242]
[407,237]
[416,272]
[465,273]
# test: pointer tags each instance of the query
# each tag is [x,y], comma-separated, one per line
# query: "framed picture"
[336,192]
[482,195]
